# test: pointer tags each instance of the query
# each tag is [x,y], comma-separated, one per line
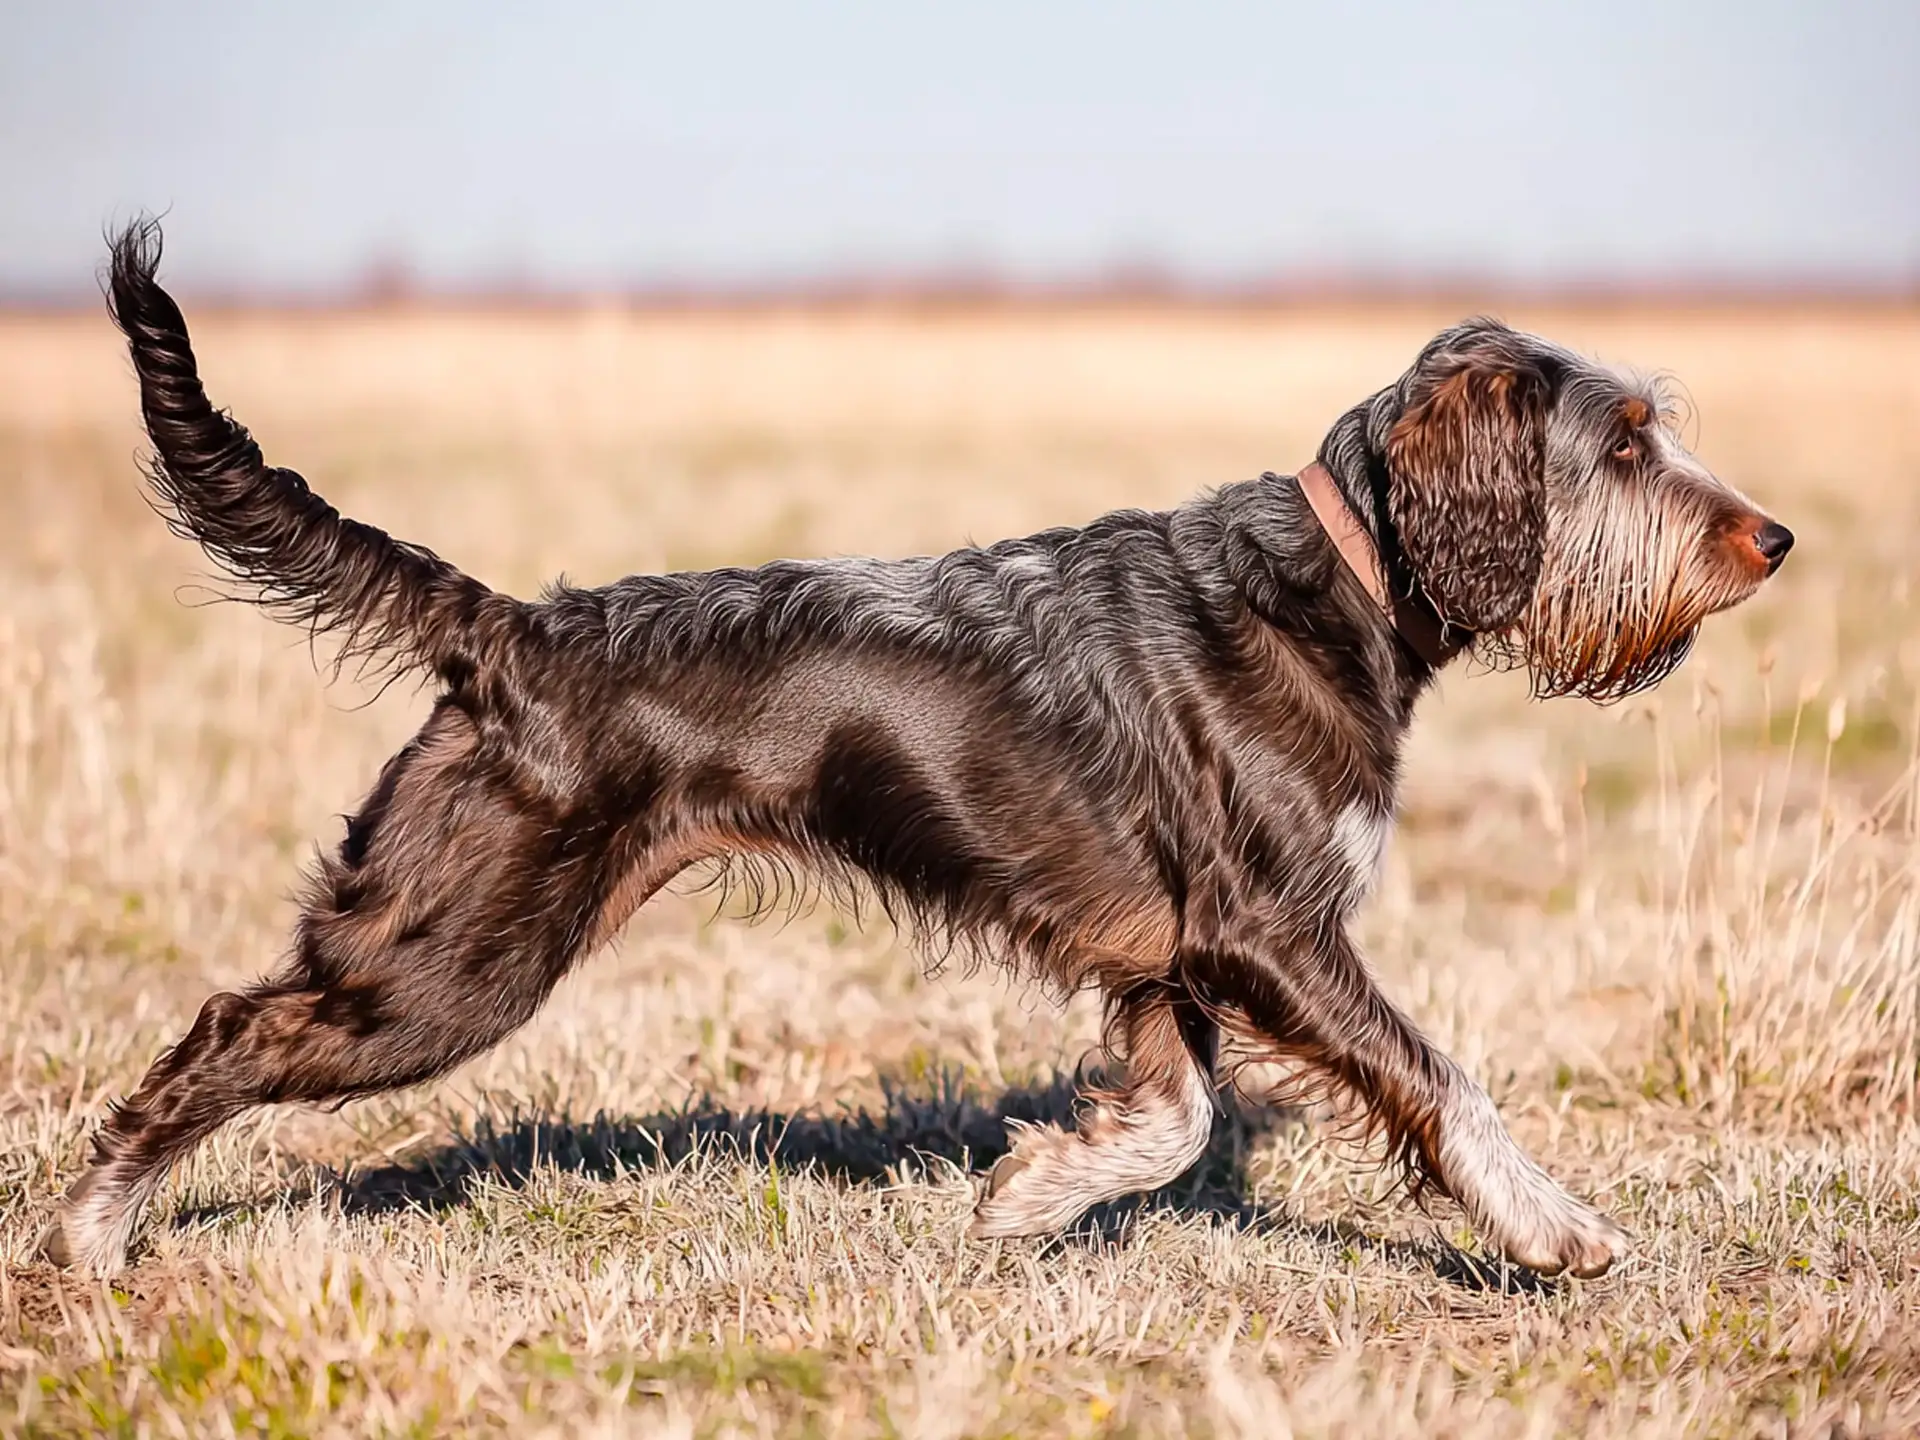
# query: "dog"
[1157,754]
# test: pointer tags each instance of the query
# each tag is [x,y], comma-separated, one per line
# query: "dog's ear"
[1466,487]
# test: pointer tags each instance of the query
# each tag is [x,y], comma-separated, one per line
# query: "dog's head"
[1546,506]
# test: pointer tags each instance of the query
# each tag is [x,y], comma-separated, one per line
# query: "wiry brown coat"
[1157,754]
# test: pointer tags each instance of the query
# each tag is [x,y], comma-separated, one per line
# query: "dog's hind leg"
[456,904]
[263,1046]
[1138,1137]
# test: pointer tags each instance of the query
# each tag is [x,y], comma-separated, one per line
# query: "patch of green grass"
[1874,735]
[730,1369]
[1615,787]
[205,1365]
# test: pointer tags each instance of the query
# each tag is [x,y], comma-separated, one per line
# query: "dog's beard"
[1627,579]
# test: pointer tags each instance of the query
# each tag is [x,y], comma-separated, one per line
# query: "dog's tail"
[398,606]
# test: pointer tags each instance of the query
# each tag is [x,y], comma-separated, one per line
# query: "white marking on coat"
[1360,838]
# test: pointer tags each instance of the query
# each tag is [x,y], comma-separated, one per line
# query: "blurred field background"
[719,1185]
[597,289]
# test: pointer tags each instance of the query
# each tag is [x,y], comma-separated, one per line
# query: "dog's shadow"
[946,1121]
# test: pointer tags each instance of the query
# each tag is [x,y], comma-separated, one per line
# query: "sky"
[713,144]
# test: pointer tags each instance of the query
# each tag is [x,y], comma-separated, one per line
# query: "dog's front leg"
[1315,1003]
[1513,1204]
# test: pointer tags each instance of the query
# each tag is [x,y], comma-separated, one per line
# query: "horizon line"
[399,289]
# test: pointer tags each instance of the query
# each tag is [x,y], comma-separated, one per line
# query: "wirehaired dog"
[1157,755]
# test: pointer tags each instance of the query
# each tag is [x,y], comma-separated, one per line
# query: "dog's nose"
[1773,541]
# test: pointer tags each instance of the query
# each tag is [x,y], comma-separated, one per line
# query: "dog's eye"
[1627,449]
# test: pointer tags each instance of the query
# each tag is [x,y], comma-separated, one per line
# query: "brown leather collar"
[1431,638]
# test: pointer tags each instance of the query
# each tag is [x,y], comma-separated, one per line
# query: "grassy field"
[719,1186]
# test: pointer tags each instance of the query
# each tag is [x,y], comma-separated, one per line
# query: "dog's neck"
[1429,637]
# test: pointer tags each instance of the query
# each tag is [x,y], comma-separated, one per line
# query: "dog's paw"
[1565,1236]
[1515,1205]
[91,1229]
[1022,1195]
[55,1247]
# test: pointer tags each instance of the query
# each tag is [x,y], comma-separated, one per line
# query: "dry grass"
[719,1186]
